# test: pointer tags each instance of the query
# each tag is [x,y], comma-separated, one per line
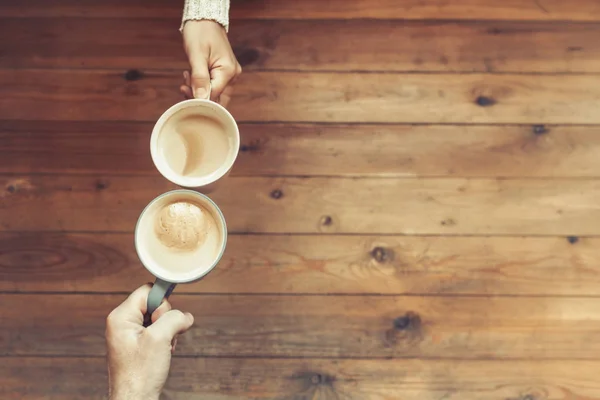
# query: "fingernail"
[200,93]
[190,317]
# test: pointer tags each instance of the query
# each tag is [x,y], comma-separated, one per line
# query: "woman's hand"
[214,67]
[139,358]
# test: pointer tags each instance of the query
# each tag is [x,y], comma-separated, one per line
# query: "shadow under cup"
[171,265]
[195,143]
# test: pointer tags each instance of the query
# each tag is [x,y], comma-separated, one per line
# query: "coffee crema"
[180,235]
[182,226]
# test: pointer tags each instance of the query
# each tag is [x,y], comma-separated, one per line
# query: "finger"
[186,91]
[173,345]
[186,88]
[161,310]
[172,323]
[200,78]
[135,306]
[226,96]
[221,77]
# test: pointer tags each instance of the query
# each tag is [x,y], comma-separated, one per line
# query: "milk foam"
[182,226]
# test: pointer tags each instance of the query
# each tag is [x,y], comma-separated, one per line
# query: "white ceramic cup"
[198,149]
[148,248]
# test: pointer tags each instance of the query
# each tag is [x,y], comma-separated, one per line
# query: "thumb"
[200,78]
[134,307]
[171,324]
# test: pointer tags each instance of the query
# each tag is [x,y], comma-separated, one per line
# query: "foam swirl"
[182,226]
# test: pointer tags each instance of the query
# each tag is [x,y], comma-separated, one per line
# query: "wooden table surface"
[414,214]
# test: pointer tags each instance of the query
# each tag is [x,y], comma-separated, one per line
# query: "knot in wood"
[326,220]
[484,101]
[540,129]
[101,185]
[382,255]
[276,194]
[246,55]
[410,320]
[251,147]
[133,75]
[495,31]
[322,379]
[448,222]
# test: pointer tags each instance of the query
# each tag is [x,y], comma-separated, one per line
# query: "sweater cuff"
[214,10]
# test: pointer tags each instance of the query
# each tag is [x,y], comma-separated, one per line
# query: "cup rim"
[170,175]
[223,233]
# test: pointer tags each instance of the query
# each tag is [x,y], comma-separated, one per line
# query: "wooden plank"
[118,148]
[316,205]
[92,9]
[419,150]
[366,45]
[86,95]
[323,326]
[578,10]
[75,147]
[417,9]
[271,379]
[326,97]
[47,262]
[473,98]
[117,43]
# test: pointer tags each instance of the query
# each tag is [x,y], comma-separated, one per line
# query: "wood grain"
[121,148]
[354,45]
[304,97]
[323,326]
[582,10]
[75,147]
[385,260]
[47,262]
[419,150]
[371,45]
[316,205]
[578,10]
[273,379]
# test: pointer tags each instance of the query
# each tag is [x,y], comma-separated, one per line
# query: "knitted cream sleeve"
[215,10]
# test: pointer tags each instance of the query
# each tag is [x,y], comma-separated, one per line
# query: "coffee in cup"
[180,237]
[195,143]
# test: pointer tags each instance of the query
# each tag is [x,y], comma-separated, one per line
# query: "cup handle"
[160,290]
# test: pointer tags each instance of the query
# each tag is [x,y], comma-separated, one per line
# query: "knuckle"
[178,314]
[229,69]
[111,319]
[112,322]
[199,76]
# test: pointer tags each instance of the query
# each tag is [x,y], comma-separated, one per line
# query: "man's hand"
[139,358]
[214,66]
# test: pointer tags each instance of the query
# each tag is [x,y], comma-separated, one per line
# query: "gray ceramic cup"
[160,263]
